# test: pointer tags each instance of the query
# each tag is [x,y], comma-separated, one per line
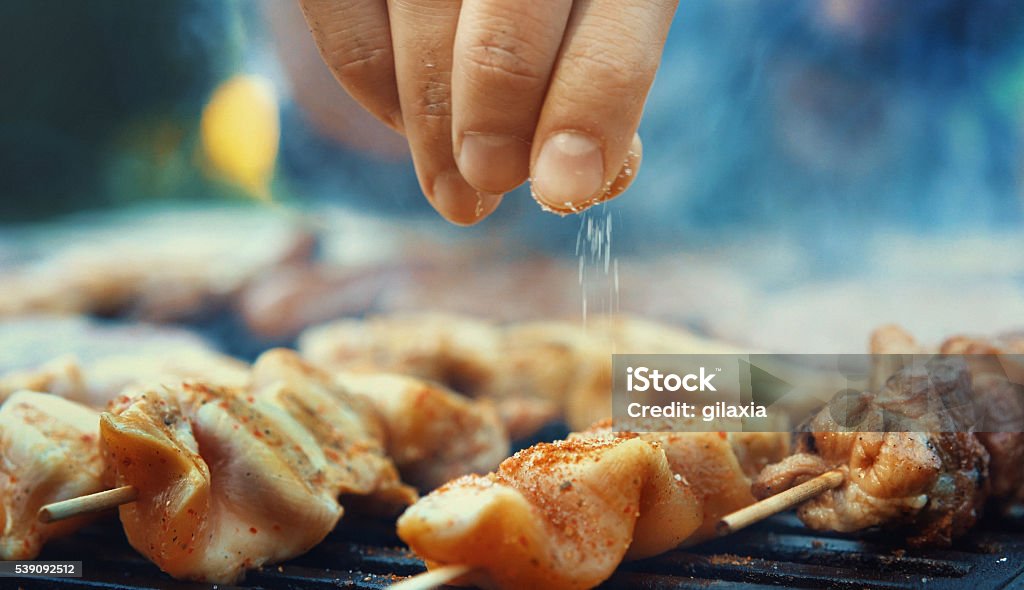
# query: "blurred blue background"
[818,119]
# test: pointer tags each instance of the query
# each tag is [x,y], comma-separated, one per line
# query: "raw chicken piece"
[159,265]
[346,426]
[229,480]
[930,484]
[591,400]
[433,435]
[457,351]
[48,453]
[61,377]
[557,515]
[718,466]
[100,380]
[534,372]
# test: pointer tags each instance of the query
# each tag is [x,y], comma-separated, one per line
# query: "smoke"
[835,118]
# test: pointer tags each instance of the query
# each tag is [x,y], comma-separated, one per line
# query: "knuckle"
[433,101]
[361,61]
[357,49]
[494,64]
[498,56]
[606,68]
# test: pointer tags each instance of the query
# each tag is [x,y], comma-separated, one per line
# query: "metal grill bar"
[366,555]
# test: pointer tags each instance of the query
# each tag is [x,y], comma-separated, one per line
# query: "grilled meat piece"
[932,485]
[48,453]
[557,515]
[61,377]
[1004,405]
[1000,425]
[431,434]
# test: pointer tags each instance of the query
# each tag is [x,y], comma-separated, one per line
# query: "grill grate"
[365,555]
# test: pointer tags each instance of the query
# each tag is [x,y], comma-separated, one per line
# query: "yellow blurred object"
[240,132]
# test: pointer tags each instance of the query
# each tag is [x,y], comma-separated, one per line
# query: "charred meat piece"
[998,399]
[930,485]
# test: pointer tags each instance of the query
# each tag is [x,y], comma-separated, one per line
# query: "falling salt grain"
[598,269]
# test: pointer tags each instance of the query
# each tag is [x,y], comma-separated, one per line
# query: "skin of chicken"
[347,427]
[535,372]
[457,351]
[718,466]
[61,377]
[558,515]
[433,435]
[48,453]
[97,382]
[256,495]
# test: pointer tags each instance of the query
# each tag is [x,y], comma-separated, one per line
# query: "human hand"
[490,93]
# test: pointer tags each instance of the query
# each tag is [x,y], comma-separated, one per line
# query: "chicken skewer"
[728,525]
[432,437]
[338,434]
[557,515]
[263,489]
[535,372]
[565,514]
[1001,403]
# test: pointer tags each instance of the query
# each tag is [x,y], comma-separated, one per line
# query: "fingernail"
[569,170]
[494,163]
[460,203]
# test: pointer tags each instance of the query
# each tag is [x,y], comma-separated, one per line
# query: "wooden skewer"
[97,502]
[433,578]
[729,524]
[759,511]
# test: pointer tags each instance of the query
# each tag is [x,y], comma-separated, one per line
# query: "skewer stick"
[759,511]
[433,578]
[97,502]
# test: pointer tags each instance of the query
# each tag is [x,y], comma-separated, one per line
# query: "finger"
[423,32]
[503,56]
[355,41]
[628,171]
[594,102]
